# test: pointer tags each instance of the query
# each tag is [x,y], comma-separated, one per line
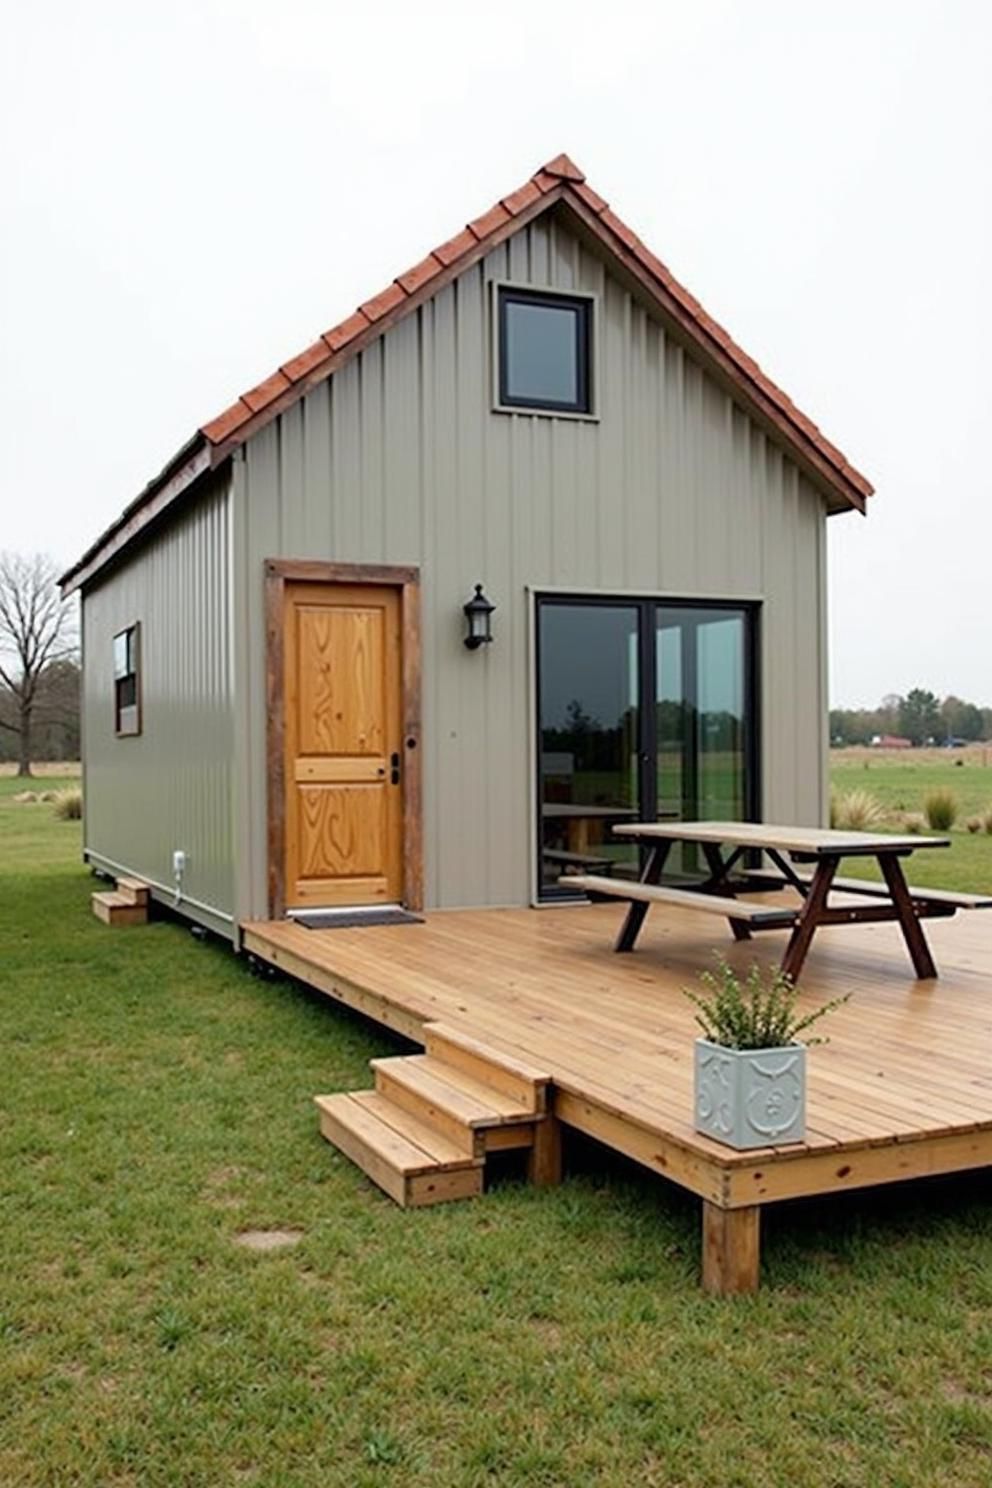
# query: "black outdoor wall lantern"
[478,615]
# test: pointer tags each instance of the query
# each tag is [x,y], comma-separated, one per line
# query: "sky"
[189,193]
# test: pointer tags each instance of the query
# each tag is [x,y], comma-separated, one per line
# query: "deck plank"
[904,1065]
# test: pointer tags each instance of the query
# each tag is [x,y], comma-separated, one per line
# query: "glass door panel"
[645,711]
[674,728]
[720,642]
[589,721]
[703,718]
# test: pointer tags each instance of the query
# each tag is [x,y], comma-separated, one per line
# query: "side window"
[544,351]
[127,681]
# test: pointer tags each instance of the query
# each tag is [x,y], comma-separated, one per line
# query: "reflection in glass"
[720,673]
[589,722]
[541,351]
[701,687]
[646,713]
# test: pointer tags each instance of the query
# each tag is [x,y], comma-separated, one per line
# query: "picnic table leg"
[912,930]
[717,885]
[634,918]
[809,917]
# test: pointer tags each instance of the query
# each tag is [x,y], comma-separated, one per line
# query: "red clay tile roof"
[558,181]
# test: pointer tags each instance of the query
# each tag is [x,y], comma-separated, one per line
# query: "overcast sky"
[190,192]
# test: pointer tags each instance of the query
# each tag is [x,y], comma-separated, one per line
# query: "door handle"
[394,769]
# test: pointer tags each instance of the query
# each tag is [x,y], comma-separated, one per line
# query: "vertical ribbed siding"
[171,786]
[672,490]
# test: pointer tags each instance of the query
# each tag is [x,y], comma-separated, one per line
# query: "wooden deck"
[903,1089]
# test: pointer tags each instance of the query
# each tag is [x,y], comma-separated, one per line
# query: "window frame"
[647,604]
[128,727]
[505,292]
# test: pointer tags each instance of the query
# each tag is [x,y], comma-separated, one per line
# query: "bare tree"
[36,629]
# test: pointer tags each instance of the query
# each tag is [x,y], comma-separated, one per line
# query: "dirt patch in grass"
[268,1239]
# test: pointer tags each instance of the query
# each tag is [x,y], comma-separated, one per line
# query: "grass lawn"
[900,780]
[156,1103]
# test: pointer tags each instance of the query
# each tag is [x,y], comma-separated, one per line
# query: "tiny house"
[524,547]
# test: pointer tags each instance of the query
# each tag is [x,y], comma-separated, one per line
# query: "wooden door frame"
[279,572]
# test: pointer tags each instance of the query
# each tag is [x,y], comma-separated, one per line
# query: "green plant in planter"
[755,1013]
[750,1064]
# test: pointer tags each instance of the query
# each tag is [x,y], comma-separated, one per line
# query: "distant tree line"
[920,716]
[596,747]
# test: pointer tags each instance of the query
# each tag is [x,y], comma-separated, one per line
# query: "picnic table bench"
[724,844]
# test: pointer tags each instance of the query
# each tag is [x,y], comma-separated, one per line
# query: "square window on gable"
[544,351]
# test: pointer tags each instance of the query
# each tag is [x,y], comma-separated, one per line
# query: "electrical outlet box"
[178,863]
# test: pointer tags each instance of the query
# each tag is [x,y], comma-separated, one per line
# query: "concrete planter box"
[751,1097]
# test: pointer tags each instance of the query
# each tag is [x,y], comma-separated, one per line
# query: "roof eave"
[194,460]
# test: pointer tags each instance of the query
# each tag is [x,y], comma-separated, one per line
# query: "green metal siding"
[171,786]
[673,490]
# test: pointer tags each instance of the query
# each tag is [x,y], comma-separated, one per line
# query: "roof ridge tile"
[421,273]
[564,168]
[490,221]
[266,391]
[381,304]
[346,330]
[518,200]
[305,362]
[456,246]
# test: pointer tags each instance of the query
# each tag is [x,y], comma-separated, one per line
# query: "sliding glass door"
[646,711]
[589,668]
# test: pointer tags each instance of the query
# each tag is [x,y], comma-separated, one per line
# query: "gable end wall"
[399,459]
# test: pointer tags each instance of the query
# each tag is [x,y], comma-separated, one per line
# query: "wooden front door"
[343,744]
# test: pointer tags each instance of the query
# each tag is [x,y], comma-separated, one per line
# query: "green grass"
[156,1101]
[901,783]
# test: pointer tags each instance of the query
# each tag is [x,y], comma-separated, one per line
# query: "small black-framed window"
[127,681]
[544,354]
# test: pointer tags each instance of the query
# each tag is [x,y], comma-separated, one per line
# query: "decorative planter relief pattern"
[751,1097]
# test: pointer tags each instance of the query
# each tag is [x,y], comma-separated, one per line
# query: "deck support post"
[731,1249]
[544,1160]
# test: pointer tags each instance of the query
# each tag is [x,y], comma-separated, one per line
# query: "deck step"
[424,1132]
[135,890]
[450,1100]
[412,1162]
[492,1068]
[114,908]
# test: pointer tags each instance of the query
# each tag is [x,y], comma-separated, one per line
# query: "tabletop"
[816,841]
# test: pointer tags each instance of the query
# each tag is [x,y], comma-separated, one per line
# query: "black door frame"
[646,606]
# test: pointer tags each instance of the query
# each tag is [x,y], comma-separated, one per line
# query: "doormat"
[338,919]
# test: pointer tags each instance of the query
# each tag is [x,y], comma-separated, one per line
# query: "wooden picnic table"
[725,844]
